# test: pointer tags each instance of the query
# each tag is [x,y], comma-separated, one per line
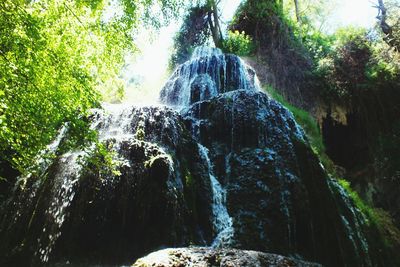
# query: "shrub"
[238,43]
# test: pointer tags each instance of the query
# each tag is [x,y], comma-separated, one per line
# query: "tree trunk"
[386,28]
[213,21]
[297,9]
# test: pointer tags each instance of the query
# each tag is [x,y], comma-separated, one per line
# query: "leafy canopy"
[58,59]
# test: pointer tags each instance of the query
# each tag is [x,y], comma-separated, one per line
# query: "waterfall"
[207,74]
[61,197]
[165,189]
[113,122]
[222,222]
[44,157]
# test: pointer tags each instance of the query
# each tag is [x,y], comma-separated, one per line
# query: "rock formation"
[223,166]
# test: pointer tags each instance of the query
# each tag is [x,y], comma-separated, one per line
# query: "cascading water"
[61,198]
[223,224]
[112,122]
[208,73]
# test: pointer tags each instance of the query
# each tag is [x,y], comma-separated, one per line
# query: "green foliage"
[44,81]
[238,43]
[351,63]
[261,10]
[316,43]
[359,203]
[79,135]
[389,23]
[312,13]
[378,219]
[58,59]
[102,161]
[193,32]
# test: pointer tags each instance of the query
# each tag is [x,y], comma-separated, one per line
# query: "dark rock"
[278,194]
[81,212]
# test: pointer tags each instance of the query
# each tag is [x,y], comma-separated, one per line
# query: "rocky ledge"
[208,257]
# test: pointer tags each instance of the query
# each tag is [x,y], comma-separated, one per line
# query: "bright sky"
[151,65]
[353,12]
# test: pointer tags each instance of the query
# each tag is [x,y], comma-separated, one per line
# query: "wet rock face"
[243,119]
[277,192]
[224,258]
[77,212]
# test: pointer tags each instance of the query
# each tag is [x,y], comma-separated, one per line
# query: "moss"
[189,180]
[149,163]
[380,226]
[359,203]
[140,133]
[101,161]
[190,190]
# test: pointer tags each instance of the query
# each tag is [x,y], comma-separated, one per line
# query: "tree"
[391,33]
[201,22]
[58,59]
[213,21]
[193,32]
[297,10]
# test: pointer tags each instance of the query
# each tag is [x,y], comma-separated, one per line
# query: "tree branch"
[386,28]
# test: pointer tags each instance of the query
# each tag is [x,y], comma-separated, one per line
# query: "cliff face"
[225,167]
[359,122]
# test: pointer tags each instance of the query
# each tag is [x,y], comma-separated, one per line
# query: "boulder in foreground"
[207,257]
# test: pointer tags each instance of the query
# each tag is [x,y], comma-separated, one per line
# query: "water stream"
[222,222]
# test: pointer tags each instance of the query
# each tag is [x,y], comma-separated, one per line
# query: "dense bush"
[353,63]
[237,43]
